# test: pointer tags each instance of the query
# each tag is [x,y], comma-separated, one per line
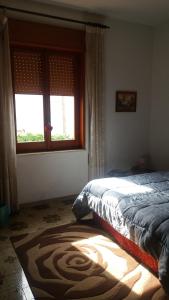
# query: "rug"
[80,262]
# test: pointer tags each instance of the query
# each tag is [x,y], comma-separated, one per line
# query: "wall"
[50,175]
[128,67]
[57,174]
[159,137]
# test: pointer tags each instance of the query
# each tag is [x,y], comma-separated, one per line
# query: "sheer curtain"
[8,182]
[94,95]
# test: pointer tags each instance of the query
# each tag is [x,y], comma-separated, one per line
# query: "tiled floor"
[13,283]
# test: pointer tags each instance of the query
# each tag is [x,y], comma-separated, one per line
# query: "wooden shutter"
[28,72]
[62,74]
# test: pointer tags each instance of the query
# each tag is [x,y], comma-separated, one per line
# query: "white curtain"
[95,97]
[8,182]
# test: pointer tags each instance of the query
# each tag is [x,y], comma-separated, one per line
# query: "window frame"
[47,144]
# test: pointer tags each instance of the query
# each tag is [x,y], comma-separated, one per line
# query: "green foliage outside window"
[29,137]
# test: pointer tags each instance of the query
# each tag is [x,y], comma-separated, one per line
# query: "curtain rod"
[54,17]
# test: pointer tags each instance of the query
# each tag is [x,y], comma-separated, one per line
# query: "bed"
[135,209]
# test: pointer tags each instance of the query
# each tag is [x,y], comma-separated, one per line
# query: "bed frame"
[143,257]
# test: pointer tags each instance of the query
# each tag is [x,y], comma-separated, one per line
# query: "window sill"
[52,152]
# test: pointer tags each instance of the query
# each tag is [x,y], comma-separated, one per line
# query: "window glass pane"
[29,118]
[62,118]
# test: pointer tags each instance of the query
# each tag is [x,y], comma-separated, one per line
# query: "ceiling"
[148,12]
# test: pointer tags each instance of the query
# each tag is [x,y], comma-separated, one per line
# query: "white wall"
[55,174]
[159,135]
[49,175]
[128,67]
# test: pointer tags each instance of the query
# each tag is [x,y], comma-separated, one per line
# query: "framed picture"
[126,101]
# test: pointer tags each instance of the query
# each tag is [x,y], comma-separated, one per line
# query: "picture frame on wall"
[126,101]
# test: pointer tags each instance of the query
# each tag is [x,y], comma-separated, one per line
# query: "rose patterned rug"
[80,262]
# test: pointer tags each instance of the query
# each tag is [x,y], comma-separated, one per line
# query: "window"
[48,99]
